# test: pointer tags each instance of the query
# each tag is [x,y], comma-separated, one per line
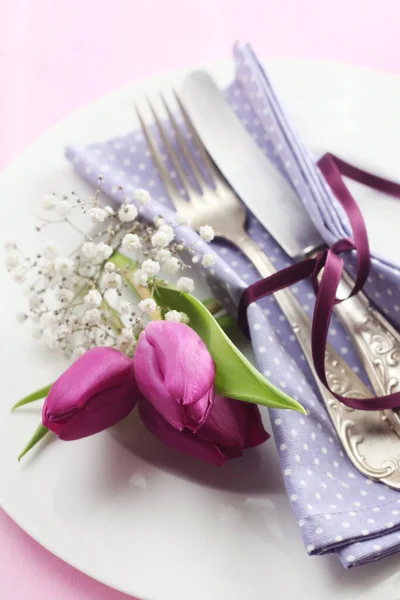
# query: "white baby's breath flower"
[172,265]
[127,213]
[163,255]
[63,331]
[148,305]
[93,299]
[176,316]
[104,251]
[167,229]
[13,259]
[64,266]
[140,277]
[65,295]
[88,250]
[63,208]
[207,233]
[109,267]
[150,267]
[50,250]
[49,320]
[142,197]
[50,202]
[208,260]
[78,352]
[111,281]
[182,219]
[34,300]
[131,242]
[185,284]
[21,317]
[50,339]
[109,210]
[160,239]
[97,214]
[92,316]
[126,340]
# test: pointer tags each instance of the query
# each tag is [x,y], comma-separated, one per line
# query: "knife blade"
[255,179]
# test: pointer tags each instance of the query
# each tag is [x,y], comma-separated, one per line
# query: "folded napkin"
[337,509]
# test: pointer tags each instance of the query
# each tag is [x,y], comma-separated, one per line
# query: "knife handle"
[367,437]
[376,340]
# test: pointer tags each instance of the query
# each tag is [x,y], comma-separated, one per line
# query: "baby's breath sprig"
[78,301]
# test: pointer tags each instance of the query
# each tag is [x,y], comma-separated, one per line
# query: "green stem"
[39,434]
[44,391]
[227,323]
[212,305]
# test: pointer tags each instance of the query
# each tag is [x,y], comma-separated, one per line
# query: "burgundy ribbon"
[332,264]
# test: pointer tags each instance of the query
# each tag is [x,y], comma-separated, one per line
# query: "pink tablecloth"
[56,55]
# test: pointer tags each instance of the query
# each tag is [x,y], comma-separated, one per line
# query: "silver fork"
[367,437]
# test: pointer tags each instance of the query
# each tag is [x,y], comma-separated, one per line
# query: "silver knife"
[275,204]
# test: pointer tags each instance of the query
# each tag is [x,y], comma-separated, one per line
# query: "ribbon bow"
[326,270]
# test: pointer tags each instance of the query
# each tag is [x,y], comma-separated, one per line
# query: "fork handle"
[336,367]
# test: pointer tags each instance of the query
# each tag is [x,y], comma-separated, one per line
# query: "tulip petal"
[175,372]
[95,393]
[184,441]
[233,424]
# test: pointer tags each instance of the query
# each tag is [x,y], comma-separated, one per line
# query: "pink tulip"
[175,373]
[230,427]
[96,392]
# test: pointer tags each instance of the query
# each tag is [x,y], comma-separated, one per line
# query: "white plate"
[137,516]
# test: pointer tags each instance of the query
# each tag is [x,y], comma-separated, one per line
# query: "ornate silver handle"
[367,437]
[377,342]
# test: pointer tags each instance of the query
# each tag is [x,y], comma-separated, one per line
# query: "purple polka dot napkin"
[336,508]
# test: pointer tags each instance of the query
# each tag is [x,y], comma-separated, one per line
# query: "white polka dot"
[293,432]
[329,475]
[302,421]
[357,504]
[305,446]
[336,464]
[363,493]
[377,547]
[301,523]
[351,475]
[313,436]
[376,509]
[370,520]
[310,507]
[262,349]
[352,513]
[316,461]
[395,512]
[319,426]
[350,558]
[256,326]
[267,373]
[381,497]
[303,483]
[339,496]
[278,421]
[323,485]
[319,530]
[276,360]
[345,525]
[389,525]
[287,471]
[317,495]
[365,531]
[328,517]
[293,497]
[309,472]
[283,446]
[310,548]
[344,350]
[297,458]
[338,538]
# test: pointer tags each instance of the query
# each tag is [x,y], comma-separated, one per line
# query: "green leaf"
[39,434]
[235,376]
[127,267]
[44,391]
[212,305]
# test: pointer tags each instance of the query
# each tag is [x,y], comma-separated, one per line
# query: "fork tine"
[215,174]
[201,182]
[172,154]
[170,186]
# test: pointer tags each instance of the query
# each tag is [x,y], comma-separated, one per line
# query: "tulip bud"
[96,392]
[175,373]
[231,427]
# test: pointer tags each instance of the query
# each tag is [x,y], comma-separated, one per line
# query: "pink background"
[56,55]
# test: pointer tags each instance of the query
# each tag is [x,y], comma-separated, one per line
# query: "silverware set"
[370,438]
